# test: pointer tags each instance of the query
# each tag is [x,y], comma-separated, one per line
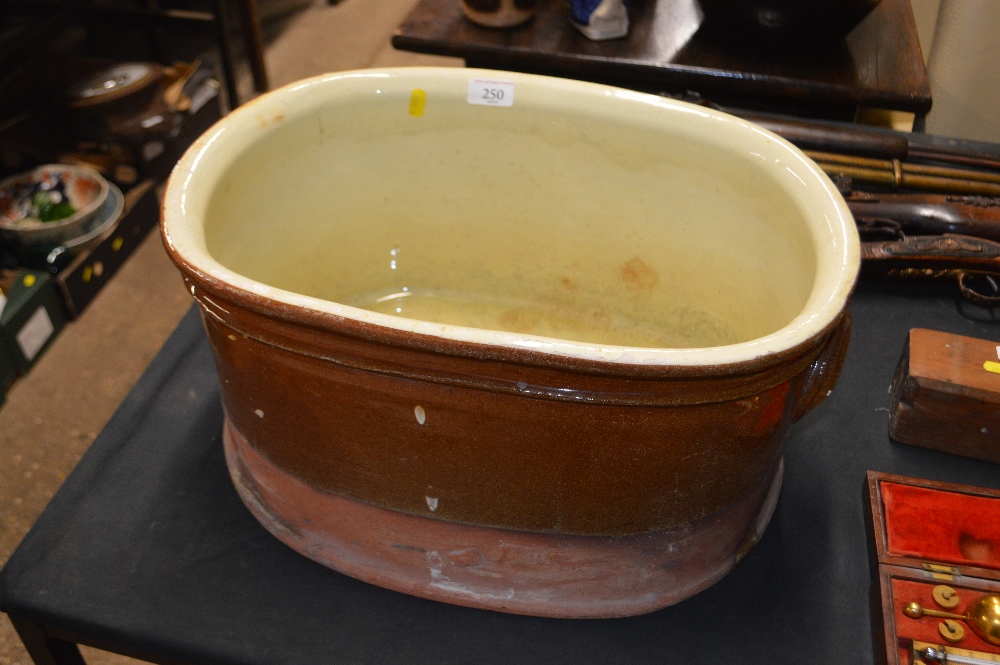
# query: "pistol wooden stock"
[973,262]
[926,255]
[930,214]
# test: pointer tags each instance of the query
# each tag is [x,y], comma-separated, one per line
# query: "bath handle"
[822,374]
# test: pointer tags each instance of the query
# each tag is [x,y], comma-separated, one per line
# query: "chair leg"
[254,41]
[224,43]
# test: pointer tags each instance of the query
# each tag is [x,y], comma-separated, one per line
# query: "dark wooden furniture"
[147,550]
[218,23]
[877,65]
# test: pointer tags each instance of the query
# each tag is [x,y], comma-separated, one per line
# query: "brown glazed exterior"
[515,440]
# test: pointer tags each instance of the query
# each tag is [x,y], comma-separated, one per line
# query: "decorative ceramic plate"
[113,83]
[105,218]
[51,203]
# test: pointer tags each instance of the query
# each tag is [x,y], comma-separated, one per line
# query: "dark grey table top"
[148,549]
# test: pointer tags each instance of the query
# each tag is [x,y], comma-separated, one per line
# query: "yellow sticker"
[87,272]
[418,99]
[117,243]
[992,366]
[29,280]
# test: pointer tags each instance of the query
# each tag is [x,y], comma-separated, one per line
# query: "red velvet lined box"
[924,534]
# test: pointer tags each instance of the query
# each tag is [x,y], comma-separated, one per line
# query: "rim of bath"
[831,225]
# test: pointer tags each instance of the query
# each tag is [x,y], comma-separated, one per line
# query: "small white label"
[35,332]
[491,92]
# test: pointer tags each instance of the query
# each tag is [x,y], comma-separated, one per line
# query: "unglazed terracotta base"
[510,571]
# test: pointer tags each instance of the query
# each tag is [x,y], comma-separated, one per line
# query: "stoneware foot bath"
[508,341]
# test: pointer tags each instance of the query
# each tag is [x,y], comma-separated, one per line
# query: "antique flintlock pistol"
[926,214]
[973,262]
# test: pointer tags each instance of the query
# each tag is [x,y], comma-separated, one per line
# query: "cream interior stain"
[556,224]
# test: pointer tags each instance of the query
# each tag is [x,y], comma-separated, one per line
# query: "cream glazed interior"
[574,219]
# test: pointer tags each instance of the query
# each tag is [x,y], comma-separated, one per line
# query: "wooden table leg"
[44,649]
[254,42]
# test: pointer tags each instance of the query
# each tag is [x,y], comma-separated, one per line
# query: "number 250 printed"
[488,92]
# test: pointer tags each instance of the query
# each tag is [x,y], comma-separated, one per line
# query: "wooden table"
[879,64]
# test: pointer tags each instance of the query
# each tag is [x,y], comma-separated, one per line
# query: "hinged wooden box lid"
[935,548]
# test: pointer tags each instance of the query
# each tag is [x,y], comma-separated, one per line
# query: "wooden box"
[83,279]
[32,318]
[924,535]
[946,395]
[8,368]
